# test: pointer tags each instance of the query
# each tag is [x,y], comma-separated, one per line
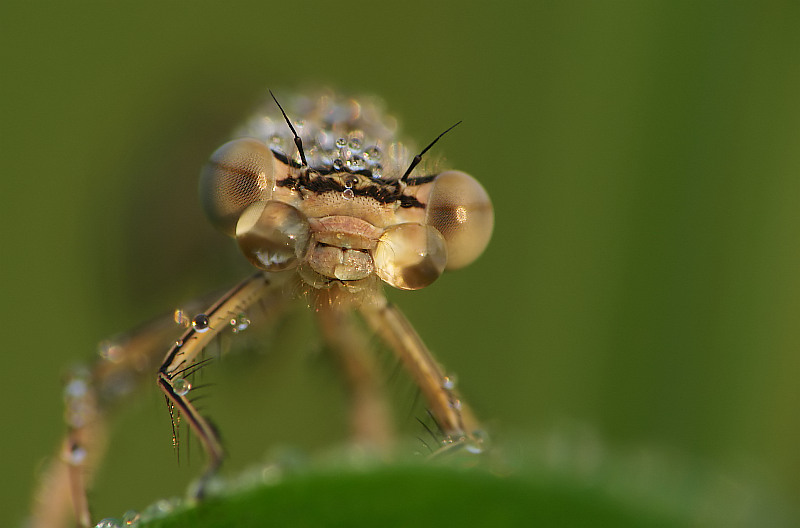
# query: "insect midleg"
[369,410]
[64,482]
[453,417]
[183,354]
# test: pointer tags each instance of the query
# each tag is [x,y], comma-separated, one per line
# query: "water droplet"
[449,382]
[78,407]
[110,351]
[456,404]
[76,388]
[377,170]
[475,449]
[447,442]
[240,323]
[477,442]
[181,386]
[348,194]
[356,163]
[76,456]
[108,523]
[373,153]
[355,143]
[181,318]
[338,164]
[341,142]
[179,342]
[200,323]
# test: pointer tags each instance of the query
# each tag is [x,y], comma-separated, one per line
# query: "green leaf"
[418,496]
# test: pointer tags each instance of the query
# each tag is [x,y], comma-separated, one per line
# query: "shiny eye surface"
[460,209]
[272,235]
[410,256]
[238,174]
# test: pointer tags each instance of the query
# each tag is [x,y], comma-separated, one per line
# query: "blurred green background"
[641,290]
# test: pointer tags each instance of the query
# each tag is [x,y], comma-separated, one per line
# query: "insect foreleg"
[183,354]
[452,416]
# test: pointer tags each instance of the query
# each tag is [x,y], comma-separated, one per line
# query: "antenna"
[297,140]
[418,157]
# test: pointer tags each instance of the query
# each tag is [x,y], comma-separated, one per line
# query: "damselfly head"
[335,196]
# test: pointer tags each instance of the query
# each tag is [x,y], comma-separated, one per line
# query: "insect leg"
[369,412]
[453,417]
[186,350]
[90,394]
[65,480]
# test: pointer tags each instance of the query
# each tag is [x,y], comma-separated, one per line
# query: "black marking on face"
[413,182]
[326,179]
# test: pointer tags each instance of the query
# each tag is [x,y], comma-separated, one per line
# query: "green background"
[639,300]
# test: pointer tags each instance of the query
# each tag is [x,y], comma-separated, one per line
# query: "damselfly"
[327,205]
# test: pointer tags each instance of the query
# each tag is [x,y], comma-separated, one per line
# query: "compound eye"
[460,209]
[272,235]
[410,256]
[238,174]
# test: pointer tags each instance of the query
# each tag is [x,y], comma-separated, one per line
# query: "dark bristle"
[418,157]
[297,140]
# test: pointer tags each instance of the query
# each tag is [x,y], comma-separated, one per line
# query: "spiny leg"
[182,355]
[90,394]
[369,411]
[455,420]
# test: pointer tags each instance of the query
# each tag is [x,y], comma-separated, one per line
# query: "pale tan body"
[332,232]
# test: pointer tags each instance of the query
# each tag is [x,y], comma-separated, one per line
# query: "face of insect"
[347,215]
